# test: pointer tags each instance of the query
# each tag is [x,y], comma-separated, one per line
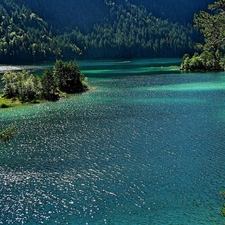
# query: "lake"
[145,148]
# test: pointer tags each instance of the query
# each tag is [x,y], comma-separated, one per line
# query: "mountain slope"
[131,31]
[26,37]
[85,13]
[22,33]
[45,30]
[66,15]
[176,10]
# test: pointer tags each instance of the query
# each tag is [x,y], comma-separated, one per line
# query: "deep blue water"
[145,148]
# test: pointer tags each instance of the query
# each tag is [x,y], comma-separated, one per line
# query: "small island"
[25,87]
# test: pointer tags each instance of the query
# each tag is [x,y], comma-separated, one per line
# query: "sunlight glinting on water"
[134,151]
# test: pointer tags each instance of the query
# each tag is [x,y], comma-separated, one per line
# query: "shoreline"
[11,103]
[15,102]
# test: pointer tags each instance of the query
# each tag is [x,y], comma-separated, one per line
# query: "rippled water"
[145,148]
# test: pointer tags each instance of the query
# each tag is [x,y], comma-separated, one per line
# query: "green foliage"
[128,31]
[4,106]
[65,77]
[22,85]
[8,134]
[131,31]
[212,26]
[206,61]
[25,36]
[35,101]
[195,63]
[49,85]
[86,13]
[68,76]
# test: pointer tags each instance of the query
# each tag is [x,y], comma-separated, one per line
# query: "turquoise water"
[145,148]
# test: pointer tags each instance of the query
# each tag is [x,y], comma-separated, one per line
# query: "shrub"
[8,134]
[4,105]
[36,101]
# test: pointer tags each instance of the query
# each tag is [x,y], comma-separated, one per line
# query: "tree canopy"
[120,29]
[131,31]
[65,77]
[26,37]
[212,26]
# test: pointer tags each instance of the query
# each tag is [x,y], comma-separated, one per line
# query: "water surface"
[146,147]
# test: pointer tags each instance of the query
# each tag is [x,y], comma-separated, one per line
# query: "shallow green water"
[146,147]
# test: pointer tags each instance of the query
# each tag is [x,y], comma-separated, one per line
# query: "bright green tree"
[22,85]
[212,26]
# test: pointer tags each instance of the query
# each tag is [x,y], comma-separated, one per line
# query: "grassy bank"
[7,103]
[13,102]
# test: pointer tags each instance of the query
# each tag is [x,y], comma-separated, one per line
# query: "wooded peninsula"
[64,78]
[23,86]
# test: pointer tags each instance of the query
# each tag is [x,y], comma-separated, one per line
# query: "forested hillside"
[176,10]
[131,31]
[86,13]
[47,30]
[24,36]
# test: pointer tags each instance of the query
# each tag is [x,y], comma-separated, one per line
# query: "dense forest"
[24,36]
[86,13]
[48,30]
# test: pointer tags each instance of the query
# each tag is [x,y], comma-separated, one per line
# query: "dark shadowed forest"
[48,30]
